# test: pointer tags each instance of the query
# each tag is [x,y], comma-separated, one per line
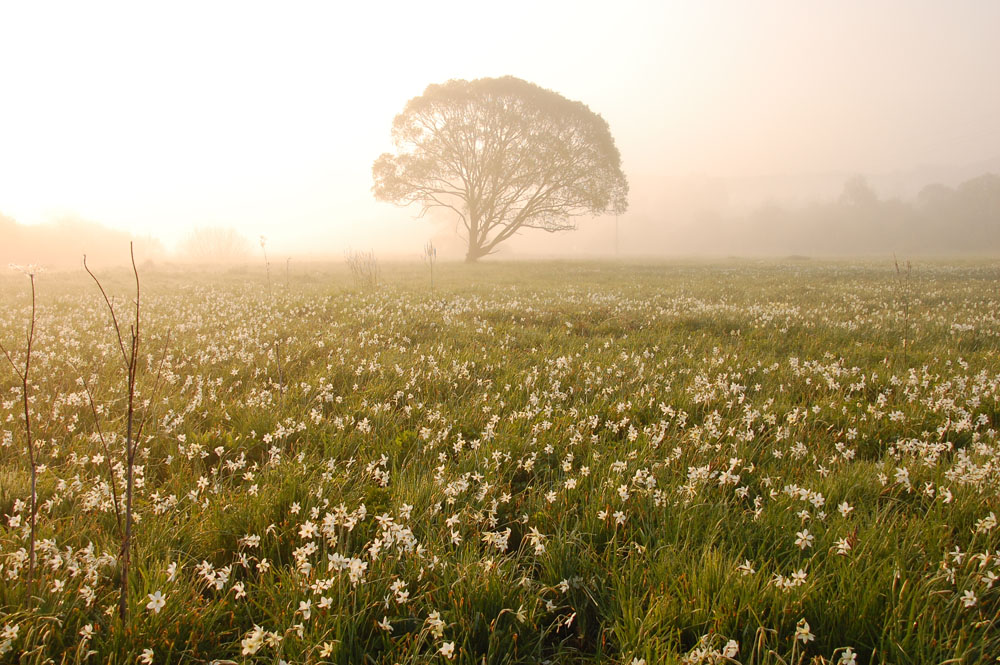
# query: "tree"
[858,193]
[215,245]
[504,155]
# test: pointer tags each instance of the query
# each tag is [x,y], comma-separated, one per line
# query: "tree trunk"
[475,250]
[474,253]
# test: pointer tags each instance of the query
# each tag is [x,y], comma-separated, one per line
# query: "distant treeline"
[62,244]
[940,220]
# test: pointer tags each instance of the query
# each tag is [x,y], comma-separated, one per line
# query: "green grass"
[572,462]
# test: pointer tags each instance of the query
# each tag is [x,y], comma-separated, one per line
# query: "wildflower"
[804,539]
[436,624]
[902,476]
[385,625]
[156,602]
[802,632]
[521,614]
[325,649]
[307,530]
[253,641]
[448,650]
[987,523]
[87,632]
[305,608]
[848,657]
[537,539]
[146,658]
[968,598]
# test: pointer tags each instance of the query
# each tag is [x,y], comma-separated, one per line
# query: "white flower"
[802,632]
[968,598]
[253,641]
[987,523]
[804,539]
[848,657]
[156,602]
[436,624]
[448,650]
[147,657]
[521,614]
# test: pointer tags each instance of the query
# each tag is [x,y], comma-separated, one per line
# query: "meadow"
[562,462]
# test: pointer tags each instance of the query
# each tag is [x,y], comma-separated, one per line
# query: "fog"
[762,129]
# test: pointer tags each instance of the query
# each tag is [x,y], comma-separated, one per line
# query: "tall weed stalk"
[130,353]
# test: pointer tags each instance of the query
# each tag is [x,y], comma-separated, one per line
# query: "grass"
[572,462]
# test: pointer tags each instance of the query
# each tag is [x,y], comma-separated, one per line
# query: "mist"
[741,126]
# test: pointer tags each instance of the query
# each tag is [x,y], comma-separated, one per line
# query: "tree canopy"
[215,245]
[504,155]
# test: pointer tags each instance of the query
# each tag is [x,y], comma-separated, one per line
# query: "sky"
[157,118]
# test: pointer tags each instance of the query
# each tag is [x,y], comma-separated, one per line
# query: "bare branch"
[111,308]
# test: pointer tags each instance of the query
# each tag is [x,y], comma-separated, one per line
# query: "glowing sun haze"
[160,118]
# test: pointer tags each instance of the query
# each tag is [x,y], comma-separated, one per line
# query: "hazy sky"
[267,117]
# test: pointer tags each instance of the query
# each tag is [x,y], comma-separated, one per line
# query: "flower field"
[562,462]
